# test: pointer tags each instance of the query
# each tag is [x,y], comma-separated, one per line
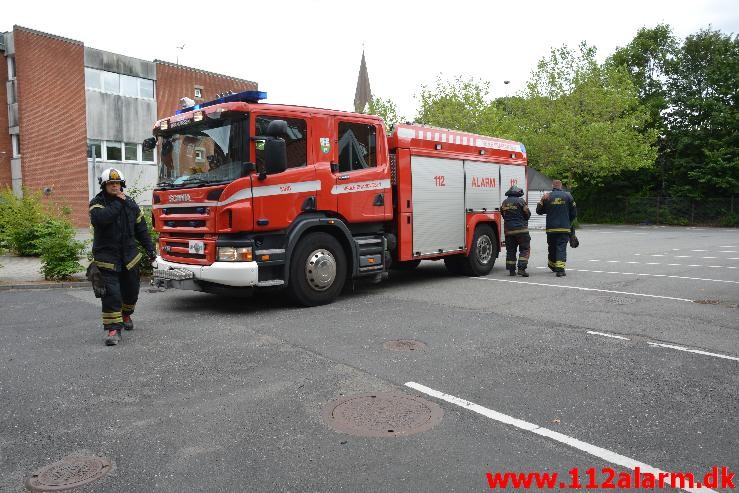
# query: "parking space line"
[727,251]
[697,351]
[608,335]
[648,274]
[588,448]
[580,288]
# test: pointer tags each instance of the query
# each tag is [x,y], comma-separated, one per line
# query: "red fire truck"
[254,195]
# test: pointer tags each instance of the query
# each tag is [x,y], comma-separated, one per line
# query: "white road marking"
[653,263]
[727,251]
[593,260]
[675,249]
[613,261]
[646,274]
[698,250]
[607,335]
[586,447]
[632,262]
[708,257]
[598,271]
[657,255]
[683,256]
[733,258]
[674,264]
[582,288]
[694,265]
[696,351]
[637,254]
[727,246]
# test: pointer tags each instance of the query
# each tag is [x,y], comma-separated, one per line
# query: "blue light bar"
[243,97]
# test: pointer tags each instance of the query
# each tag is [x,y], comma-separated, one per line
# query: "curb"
[46,285]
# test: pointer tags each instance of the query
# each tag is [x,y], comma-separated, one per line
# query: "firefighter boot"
[127,322]
[113,336]
[561,273]
[511,272]
[523,273]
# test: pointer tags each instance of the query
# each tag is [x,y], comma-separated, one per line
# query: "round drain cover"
[70,472]
[405,345]
[382,415]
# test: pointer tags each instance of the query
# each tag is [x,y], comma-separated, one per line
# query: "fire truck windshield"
[213,150]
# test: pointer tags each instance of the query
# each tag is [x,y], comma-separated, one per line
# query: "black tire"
[408,265]
[309,287]
[483,252]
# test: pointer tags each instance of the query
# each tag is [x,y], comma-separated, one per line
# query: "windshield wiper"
[165,184]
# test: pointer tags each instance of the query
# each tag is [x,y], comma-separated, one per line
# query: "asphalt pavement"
[634,356]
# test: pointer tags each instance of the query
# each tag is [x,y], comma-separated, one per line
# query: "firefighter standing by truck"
[118,223]
[516,216]
[559,206]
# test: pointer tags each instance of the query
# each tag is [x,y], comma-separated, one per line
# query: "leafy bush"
[58,248]
[145,266]
[18,220]
[729,219]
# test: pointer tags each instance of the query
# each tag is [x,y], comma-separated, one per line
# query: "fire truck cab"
[255,195]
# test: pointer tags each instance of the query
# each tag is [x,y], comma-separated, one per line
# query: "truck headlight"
[234,254]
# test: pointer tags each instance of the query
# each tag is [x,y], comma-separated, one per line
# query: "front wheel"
[483,252]
[317,270]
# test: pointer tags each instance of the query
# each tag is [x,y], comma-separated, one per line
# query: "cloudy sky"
[308,52]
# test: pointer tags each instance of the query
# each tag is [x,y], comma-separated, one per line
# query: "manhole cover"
[708,302]
[382,415]
[70,472]
[405,345]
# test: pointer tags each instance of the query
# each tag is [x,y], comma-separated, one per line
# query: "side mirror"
[275,155]
[149,143]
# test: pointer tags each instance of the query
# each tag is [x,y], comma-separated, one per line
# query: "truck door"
[362,186]
[280,198]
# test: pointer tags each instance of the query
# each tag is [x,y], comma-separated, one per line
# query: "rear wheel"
[317,270]
[483,252]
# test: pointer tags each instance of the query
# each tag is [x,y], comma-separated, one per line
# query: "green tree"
[386,109]
[582,121]
[702,138]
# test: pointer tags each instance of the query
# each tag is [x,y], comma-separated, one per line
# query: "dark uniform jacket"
[516,215]
[117,225]
[560,210]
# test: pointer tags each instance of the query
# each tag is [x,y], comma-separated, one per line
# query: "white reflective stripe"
[406,132]
[287,188]
[362,186]
[240,195]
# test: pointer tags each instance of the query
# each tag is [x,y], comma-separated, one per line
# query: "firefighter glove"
[96,278]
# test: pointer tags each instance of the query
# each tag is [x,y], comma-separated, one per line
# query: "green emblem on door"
[325,145]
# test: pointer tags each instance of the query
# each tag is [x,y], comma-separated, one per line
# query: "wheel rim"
[320,269]
[484,249]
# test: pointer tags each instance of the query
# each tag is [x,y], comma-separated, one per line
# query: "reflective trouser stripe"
[128,309]
[112,318]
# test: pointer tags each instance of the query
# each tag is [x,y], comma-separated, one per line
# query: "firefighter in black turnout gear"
[516,216]
[559,206]
[118,223]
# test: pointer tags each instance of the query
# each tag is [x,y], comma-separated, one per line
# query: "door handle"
[343,177]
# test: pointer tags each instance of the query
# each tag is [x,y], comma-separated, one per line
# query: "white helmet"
[111,175]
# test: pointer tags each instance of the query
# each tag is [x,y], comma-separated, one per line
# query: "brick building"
[74,110]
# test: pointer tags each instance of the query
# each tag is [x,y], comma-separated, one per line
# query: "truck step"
[271,282]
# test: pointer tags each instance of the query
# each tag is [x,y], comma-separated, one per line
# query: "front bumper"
[236,274]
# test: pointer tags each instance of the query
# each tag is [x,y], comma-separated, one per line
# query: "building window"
[113,151]
[131,152]
[123,85]
[357,146]
[147,156]
[94,148]
[198,92]
[111,82]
